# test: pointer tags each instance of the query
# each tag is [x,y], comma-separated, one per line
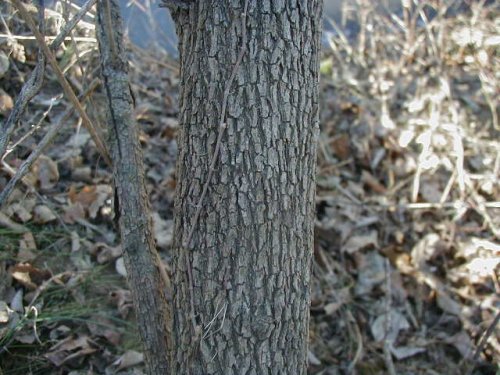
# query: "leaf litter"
[406,254]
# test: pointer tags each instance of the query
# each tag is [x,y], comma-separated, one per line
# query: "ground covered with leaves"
[407,253]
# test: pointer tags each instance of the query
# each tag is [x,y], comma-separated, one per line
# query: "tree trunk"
[241,283]
[146,278]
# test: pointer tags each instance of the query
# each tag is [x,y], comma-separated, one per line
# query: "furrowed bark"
[146,279]
[250,253]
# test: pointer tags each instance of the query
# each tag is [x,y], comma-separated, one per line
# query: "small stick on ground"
[389,364]
[469,368]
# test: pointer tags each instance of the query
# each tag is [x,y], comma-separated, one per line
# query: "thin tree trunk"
[245,272]
[146,279]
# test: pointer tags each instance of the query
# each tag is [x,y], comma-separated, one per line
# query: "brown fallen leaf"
[403,352]
[85,196]
[16,303]
[371,271]
[462,342]
[128,359]
[6,102]
[369,180]
[20,212]
[70,349]
[24,279]
[26,273]
[341,146]
[43,214]
[105,253]
[381,332]
[46,171]
[91,197]
[120,267]
[5,313]
[122,298]
[6,222]
[27,248]
[103,327]
[362,241]
[73,213]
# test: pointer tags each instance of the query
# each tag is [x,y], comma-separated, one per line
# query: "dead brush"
[427,86]
[411,100]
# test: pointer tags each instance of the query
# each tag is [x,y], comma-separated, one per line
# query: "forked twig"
[34,82]
[35,154]
[68,91]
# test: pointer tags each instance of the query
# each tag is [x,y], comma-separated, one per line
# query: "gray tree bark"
[241,283]
[147,279]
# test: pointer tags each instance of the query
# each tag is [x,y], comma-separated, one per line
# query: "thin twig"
[28,91]
[359,350]
[35,154]
[40,289]
[34,82]
[222,127]
[388,341]
[68,91]
[34,128]
[50,37]
[482,343]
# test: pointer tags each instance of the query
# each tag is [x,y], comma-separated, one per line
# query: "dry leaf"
[28,338]
[73,213]
[462,342]
[312,359]
[431,191]
[425,250]
[4,65]
[105,253]
[103,193]
[447,304]
[342,296]
[75,241]
[17,50]
[163,230]
[43,214]
[6,222]
[5,313]
[35,276]
[85,196]
[123,300]
[397,323]
[19,212]
[24,279]
[403,352]
[372,182]
[97,326]
[341,146]
[91,198]
[359,242]
[16,303]
[82,174]
[371,272]
[46,171]
[69,349]
[27,248]
[120,267]
[128,359]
